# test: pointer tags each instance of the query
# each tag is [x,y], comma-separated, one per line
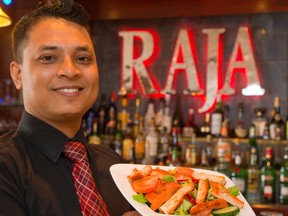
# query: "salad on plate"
[184,191]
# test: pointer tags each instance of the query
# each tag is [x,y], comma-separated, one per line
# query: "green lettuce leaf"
[139,198]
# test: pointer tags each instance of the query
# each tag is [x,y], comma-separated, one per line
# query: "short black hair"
[69,10]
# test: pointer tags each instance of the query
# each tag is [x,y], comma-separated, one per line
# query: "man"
[55,67]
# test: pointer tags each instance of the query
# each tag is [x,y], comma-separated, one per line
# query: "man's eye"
[84,59]
[47,58]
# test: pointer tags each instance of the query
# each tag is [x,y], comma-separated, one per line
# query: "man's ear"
[16,74]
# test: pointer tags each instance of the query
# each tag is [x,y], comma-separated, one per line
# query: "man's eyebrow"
[79,48]
[45,47]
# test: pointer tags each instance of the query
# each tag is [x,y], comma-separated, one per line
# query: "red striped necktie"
[90,200]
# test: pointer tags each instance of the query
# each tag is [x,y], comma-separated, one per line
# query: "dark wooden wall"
[107,14]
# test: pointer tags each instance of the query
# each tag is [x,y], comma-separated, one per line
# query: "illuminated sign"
[135,62]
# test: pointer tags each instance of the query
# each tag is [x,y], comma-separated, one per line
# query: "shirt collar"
[45,138]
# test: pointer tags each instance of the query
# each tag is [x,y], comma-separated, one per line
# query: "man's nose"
[68,69]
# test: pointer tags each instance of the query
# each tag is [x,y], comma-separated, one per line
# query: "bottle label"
[127,143]
[139,148]
[283,190]
[268,191]
[152,144]
[216,121]
[272,131]
[283,179]
[187,131]
[253,181]
[240,182]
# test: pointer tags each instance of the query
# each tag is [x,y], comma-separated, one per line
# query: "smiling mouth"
[69,90]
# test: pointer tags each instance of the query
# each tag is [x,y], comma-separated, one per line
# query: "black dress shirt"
[35,177]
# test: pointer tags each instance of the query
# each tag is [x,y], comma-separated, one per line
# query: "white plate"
[120,172]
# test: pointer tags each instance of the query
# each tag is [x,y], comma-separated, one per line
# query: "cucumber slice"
[228,211]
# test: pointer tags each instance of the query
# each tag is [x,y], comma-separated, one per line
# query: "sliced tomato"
[146,184]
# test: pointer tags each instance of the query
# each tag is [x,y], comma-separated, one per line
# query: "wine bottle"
[123,114]
[217,118]
[128,143]
[151,144]
[136,117]
[163,146]
[190,126]
[177,119]
[191,153]
[283,193]
[167,119]
[111,126]
[239,174]
[225,126]
[139,142]
[241,129]
[94,137]
[149,115]
[205,128]
[253,177]
[268,178]
[102,115]
[159,114]
[260,121]
[276,128]
[175,150]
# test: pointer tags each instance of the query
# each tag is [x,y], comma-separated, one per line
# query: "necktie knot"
[75,151]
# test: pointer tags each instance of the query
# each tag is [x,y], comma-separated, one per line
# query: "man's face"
[58,75]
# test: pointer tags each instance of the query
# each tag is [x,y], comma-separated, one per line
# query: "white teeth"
[69,90]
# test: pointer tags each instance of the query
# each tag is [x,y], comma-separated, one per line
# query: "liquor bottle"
[217,118]
[253,144]
[238,174]
[190,127]
[259,121]
[102,115]
[90,116]
[223,149]
[111,126]
[276,128]
[268,178]
[123,114]
[283,193]
[222,165]
[205,128]
[159,114]
[94,137]
[139,142]
[132,158]
[151,144]
[163,146]
[286,126]
[177,119]
[225,126]
[136,117]
[207,154]
[241,129]
[167,119]
[175,150]
[149,115]
[253,177]
[117,142]
[128,142]
[191,153]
